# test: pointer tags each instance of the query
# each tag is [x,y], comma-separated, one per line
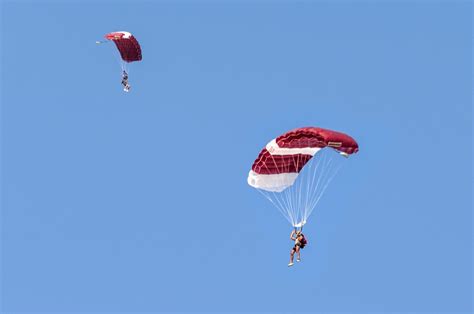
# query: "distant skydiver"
[129,49]
[300,242]
[126,85]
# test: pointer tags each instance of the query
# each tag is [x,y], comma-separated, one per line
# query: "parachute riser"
[296,229]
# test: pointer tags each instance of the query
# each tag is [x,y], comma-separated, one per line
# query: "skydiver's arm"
[292,234]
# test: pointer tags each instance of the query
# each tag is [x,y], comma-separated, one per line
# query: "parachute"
[294,169]
[127,45]
[129,49]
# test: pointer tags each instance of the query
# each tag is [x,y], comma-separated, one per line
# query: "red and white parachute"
[294,169]
[127,45]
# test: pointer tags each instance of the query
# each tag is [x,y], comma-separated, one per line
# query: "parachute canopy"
[127,45]
[279,164]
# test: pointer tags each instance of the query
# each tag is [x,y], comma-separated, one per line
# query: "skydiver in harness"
[126,86]
[300,242]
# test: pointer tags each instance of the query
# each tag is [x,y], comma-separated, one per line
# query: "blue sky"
[139,202]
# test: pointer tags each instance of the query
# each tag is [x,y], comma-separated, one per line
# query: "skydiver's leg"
[292,255]
[298,253]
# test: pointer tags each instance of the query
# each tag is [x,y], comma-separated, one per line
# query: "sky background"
[139,202]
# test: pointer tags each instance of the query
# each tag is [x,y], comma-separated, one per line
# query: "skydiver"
[126,86]
[300,242]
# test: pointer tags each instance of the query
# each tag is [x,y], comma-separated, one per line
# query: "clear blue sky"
[139,202]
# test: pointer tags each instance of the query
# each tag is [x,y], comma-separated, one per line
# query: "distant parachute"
[129,49]
[127,45]
[285,173]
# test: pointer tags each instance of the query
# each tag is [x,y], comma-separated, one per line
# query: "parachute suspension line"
[291,197]
[314,189]
[318,172]
[298,196]
[296,209]
[311,184]
[276,202]
[124,67]
[288,195]
[308,178]
[323,182]
[334,172]
[297,202]
[313,169]
[290,200]
[123,64]
[278,206]
[326,174]
[275,199]
[285,193]
[119,60]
